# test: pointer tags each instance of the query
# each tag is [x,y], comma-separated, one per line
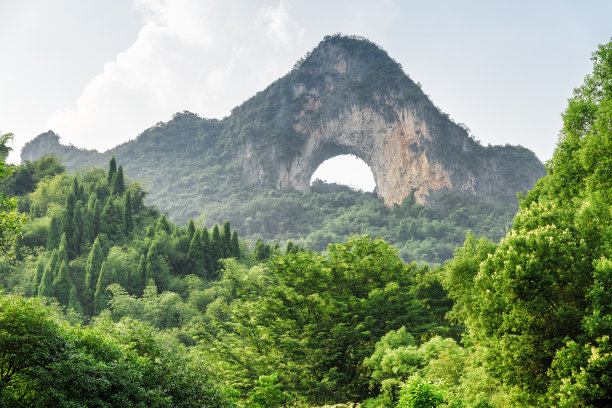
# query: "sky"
[99,72]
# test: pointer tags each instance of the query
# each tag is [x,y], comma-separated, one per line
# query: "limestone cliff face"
[349,97]
[345,97]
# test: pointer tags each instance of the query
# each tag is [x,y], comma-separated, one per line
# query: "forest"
[105,302]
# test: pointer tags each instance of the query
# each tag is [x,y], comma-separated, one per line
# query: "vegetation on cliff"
[228,169]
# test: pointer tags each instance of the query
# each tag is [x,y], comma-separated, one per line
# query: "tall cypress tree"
[163,225]
[190,229]
[101,296]
[235,245]
[195,257]
[68,224]
[156,268]
[40,270]
[111,220]
[112,171]
[88,225]
[207,250]
[54,233]
[261,252]
[61,284]
[92,272]
[128,221]
[118,186]
[76,190]
[62,255]
[137,276]
[89,219]
[46,283]
[97,214]
[73,300]
[78,229]
[216,246]
[102,192]
[227,240]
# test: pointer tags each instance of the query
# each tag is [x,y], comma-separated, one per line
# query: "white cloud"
[206,57]
[279,26]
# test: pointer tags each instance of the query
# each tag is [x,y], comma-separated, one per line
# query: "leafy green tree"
[527,302]
[321,312]
[419,394]
[394,360]
[29,341]
[268,394]
[47,363]
[11,220]
[62,254]
[78,228]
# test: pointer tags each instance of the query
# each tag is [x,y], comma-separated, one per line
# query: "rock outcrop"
[346,97]
[349,97]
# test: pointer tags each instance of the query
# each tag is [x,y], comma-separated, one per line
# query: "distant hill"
[347,96]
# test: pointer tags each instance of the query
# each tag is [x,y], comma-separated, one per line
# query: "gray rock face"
[349,97]
[345,97]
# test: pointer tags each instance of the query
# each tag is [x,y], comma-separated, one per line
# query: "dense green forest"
[105,302]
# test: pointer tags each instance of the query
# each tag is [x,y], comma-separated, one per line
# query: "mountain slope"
[346,96]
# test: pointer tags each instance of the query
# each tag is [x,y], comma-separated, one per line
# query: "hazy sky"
[99,72]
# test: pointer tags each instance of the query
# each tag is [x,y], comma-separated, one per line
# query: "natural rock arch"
[345,169]
[385,147]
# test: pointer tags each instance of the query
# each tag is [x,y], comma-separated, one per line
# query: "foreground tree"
[532,303]
[313,319]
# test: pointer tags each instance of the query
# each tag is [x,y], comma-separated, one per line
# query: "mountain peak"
[348,56]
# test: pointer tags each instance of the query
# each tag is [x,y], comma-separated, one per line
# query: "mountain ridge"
[345,96]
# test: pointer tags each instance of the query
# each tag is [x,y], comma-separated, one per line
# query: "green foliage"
[112,171]
[29,340]
[10,219]
[45,362]
[118,186]
[533,305]
[419,394]
[317,312]
[62,285]
[106,277]
[268,394]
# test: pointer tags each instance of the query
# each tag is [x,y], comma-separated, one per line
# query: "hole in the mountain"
[348,170]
